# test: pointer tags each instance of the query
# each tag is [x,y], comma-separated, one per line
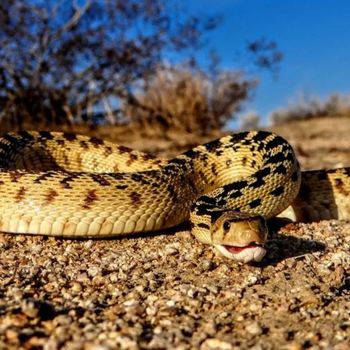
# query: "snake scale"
[63,184]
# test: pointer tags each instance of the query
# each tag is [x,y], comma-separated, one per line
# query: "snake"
[68,185]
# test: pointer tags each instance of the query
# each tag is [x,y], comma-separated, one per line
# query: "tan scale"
[69,185]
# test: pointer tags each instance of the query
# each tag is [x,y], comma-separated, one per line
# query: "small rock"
[254,328]
[216,344]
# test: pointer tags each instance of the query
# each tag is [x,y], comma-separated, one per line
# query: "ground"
[168,291]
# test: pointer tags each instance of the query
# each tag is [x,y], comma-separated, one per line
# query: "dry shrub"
[182,100]
[313,107]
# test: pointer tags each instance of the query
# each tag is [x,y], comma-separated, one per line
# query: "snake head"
[240,236]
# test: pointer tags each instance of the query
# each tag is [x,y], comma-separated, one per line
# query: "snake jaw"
[251,252]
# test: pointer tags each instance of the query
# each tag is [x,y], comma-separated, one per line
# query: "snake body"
[62,184]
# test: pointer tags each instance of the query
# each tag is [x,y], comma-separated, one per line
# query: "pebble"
[253,328]
[216,344]
[125,294]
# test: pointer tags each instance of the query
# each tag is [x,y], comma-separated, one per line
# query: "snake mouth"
[236,249]
[251,252]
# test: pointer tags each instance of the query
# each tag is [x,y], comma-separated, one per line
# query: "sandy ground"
[168,291]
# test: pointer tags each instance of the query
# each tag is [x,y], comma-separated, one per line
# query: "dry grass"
[182,100]
[313,107]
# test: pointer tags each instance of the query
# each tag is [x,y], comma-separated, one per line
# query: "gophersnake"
[63,184]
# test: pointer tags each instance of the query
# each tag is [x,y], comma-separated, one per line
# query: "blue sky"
[314,36]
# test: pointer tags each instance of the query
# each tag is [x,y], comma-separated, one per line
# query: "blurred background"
[159,69]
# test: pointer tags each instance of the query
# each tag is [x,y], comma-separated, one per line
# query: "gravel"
[168,291]
[132,293]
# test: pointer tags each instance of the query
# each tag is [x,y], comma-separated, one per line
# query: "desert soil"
[167,291]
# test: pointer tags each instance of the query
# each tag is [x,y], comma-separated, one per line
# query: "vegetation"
[188,100]
[90,61]
[313,107]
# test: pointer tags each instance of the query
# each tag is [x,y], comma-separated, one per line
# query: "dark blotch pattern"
[123,149]
[236,138]
[44,176]
[90,198]
[275,142]
[203,225]
[100,179]
[25,135]
[121,187]
[96,141]
[69,136]
[46,135]
[259,177]
[277,191]
[84,144]
[50,195]
[20,194]
[255,203]
[236,186]
[281,169]
[261,136]
[15,175]
[135,198]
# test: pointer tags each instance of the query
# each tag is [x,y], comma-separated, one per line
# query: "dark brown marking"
[46,135]
[147,157]
[101,180]
[214,146]
[65,181]
[84,144]
[275,142]
[340,186]
[137,177]
[60,142]
[15,175]
[20,194]
[116,168]
[244,161]
[121,187]
[236,138]
[44,176]
[203,225]
[90,198]
[132,159]
[135,198]
[69,136]
[12,139]
[50,196]
[260,175]
[255,203]
[281,169]
[108,150]
[123,149]
[261,136]
[96,141]
[26,135]
[172,192]
[117,176]
[277,191]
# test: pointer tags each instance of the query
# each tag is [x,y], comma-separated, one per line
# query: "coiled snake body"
[61,184]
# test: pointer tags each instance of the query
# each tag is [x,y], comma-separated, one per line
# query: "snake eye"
[226,226]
